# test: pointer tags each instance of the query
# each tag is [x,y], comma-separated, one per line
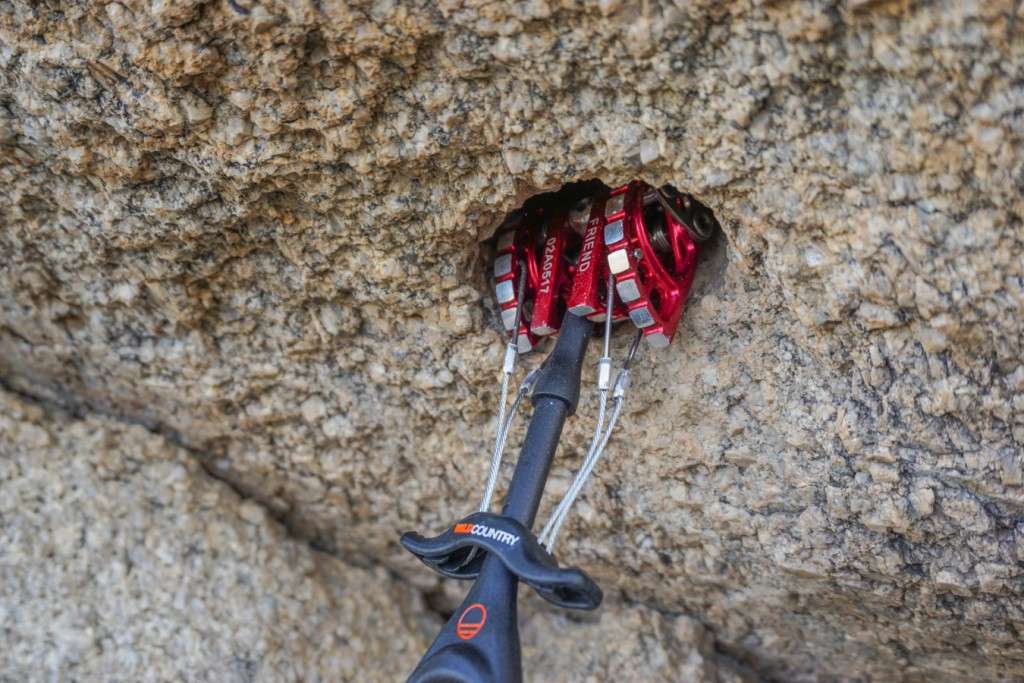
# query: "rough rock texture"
[629,644]
[256,226]
[120,559]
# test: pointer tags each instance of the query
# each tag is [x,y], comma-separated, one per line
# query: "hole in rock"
[557,249]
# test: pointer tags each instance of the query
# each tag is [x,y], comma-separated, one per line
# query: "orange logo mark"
[471,621]
[464,528]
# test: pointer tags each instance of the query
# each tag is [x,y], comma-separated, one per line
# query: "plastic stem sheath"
[494,655]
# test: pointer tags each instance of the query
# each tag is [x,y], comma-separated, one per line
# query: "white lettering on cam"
[549,265]
[587,252]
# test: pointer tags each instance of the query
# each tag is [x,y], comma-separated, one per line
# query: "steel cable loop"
[562,508]
[492,474]
[508,367]
[502,438]
[562,513]
[549,535]
[603,375]
[524,388]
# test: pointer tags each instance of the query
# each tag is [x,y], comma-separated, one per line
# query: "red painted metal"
[541,242]
[640,236]
[652,283]
[589,285]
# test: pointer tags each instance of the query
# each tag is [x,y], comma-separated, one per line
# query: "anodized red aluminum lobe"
[651,281]
[590,281]
[511,256]
[537,242]
[554,276]
[585,294]
[653,286]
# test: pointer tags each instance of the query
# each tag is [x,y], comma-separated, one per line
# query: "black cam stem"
[493,656]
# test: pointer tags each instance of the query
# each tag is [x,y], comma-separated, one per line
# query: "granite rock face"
[122,560]
[256,227]
[624,644]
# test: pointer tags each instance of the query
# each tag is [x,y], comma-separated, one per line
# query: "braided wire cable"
[550,530]
[549,534]
[503,423]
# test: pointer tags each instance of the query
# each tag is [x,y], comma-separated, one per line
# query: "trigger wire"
[505,423]
[602,434]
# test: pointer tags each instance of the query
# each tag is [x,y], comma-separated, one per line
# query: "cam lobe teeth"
[503,265]
[508,318]
[641,317]
[613,232]
[618,261]
[505,292]
[627,289]
[614,205]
